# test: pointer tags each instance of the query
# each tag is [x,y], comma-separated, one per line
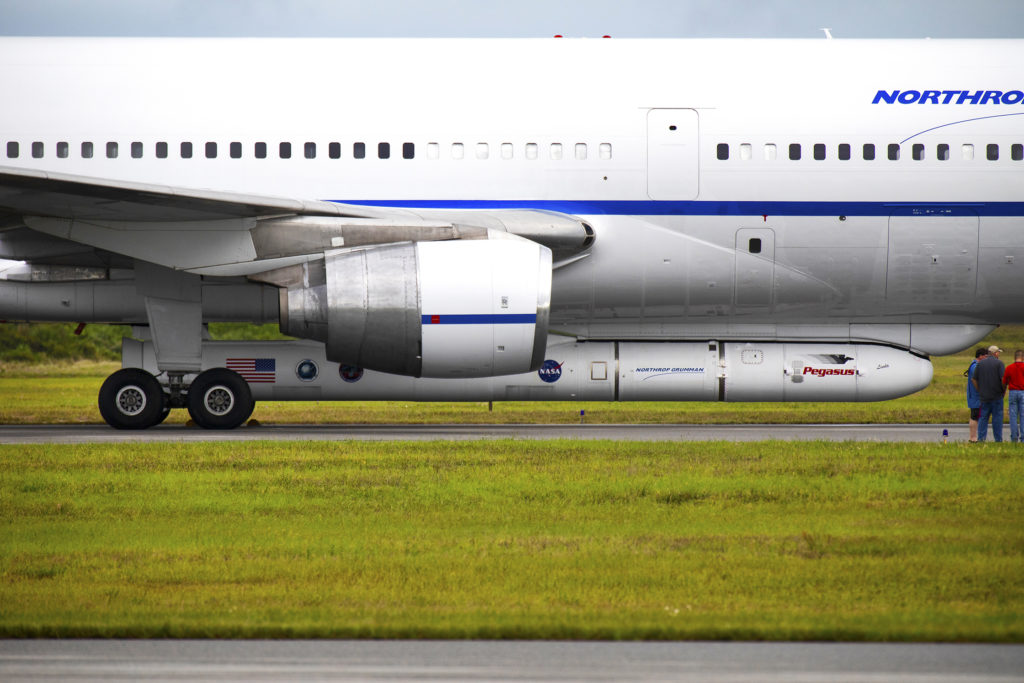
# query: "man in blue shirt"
[973,402]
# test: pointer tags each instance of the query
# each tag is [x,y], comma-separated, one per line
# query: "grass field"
[558,539]
[66,393]
[514,540]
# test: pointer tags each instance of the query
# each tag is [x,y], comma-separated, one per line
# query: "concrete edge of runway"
[917,433]
[105,660]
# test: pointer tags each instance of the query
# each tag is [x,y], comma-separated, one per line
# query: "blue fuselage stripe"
[481,319]
[708,208]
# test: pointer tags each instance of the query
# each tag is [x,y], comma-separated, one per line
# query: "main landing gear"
[217,399]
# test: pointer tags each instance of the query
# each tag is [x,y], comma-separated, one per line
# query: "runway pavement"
[21,434]
[109,660]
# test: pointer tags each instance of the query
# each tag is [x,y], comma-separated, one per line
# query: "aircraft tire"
[132,399]
[219,399]
[164,413]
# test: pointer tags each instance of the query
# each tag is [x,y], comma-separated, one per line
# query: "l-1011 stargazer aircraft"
[472,220]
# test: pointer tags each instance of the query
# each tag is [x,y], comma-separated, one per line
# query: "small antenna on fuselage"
[828,33]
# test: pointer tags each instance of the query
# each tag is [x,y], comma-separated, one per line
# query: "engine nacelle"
[463,308]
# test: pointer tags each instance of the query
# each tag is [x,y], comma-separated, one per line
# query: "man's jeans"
[1016,415]
[995,409]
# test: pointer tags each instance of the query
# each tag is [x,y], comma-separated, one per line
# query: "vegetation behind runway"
[65,392]
[514,540]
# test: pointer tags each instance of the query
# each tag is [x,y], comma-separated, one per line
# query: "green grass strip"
[559,539]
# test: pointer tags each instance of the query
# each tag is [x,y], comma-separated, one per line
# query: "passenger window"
[1017,152]
[917,152]
[844,152]
[161,150]
[62,150]
[12,150]
[136,150]
[605,151]
[408,150]
[819,152]
[722,153]
[260,150]
[869,152]
[794,152]
[531,150]
[556,150]
[746,151]
[383,150]
[359,150]
[334,150]
[284,150]
[309,150]
[111,150]
[458,151]
[894,152]
[754,246]
[211,150]
[581,151]
[482,150]
[771,152]
[37,150]
[235,150]
[186,150]
[433,150]
[506,150]
[968,152]
[86,150]
[992,152]
[942,152]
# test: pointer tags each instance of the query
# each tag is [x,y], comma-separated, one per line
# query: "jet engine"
[460,308]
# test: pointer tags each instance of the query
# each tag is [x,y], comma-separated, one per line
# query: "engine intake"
[465,308]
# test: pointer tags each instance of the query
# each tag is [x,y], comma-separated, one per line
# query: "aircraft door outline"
[673,154]
[755,270]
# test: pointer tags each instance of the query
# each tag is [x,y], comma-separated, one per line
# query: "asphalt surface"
[210,660]
[20,434]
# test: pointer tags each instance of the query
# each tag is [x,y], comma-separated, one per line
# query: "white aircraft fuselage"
[740,192]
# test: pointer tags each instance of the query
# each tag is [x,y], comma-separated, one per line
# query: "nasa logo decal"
[350,373]
[306,370]
[550,371]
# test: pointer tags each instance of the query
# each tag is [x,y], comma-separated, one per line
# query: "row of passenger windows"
[506,150]
[844,152]
[407,150]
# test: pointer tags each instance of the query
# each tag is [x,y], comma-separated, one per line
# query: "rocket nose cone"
[925,372]
[891,373]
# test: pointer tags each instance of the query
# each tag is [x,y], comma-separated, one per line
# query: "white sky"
[518,18]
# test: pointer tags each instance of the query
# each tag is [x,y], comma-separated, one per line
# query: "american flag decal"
[254,370]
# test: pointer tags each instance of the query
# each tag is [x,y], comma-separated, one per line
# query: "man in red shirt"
[1013,379]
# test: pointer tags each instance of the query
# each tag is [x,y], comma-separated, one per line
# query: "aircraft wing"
[47,217]
[25,192]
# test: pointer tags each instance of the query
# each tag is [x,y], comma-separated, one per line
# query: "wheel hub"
[131,400]
[219,400]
